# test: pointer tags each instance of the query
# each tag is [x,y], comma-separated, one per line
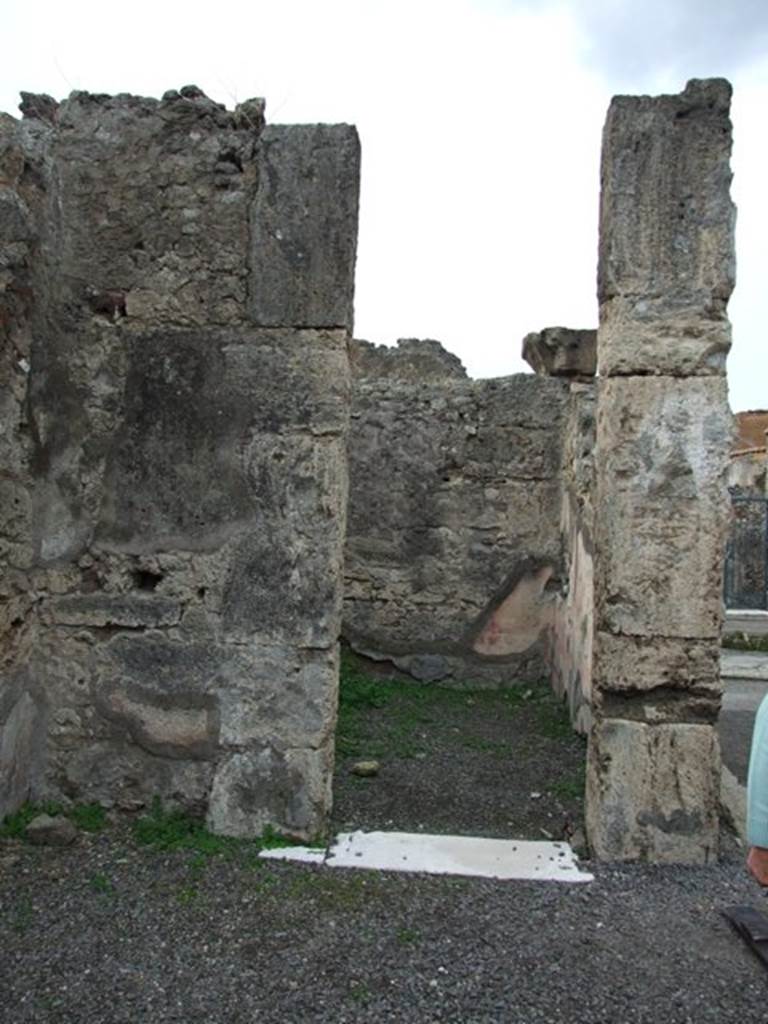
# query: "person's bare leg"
[757,864]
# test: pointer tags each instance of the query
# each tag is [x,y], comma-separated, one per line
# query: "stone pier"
[175,305]
[666,271]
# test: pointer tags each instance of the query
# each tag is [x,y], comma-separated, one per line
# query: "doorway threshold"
[474,856]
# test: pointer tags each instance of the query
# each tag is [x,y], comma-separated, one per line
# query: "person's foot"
[757,864]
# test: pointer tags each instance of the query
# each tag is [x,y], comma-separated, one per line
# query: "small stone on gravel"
[366,769]
[45,830]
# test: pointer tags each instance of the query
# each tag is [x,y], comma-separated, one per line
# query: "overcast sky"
[480,123]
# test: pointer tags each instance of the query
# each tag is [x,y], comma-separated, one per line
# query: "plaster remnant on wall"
[516,623]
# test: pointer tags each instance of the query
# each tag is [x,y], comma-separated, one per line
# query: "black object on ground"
[752,926]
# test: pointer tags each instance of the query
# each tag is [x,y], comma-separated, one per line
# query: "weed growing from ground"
[553,721]
[21,915]
[87,817]
[101,883]
[744,642]
[569,789]
[164,829]
[409,710]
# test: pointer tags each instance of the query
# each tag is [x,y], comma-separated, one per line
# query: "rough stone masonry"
[666,271]
[175,302]
[176,288]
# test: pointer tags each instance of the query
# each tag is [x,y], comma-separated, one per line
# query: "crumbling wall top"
[413,360]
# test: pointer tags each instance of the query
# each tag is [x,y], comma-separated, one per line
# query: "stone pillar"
[177,329]
[666,271]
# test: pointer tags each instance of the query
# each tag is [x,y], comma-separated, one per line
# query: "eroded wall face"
[175,319]
[571,634]
[663,431]
[453,552]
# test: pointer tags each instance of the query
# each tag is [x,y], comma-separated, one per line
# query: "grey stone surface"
[176,287]
[561,352]
[570,637]
[663,433]
[653,792]
[304,226]
[635,666]
[666,262]
[662,446]
[22,738]
[412,359]
[174,501]
[453,543]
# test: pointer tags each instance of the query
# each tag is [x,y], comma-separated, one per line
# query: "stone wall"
[453,555]
[666,272]
[571,636]
[176,289]
[175,302]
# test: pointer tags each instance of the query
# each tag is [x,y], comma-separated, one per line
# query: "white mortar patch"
[504,859]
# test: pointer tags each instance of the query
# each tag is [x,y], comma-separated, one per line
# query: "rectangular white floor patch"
[506,859]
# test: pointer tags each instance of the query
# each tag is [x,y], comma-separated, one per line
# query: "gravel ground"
[111,931]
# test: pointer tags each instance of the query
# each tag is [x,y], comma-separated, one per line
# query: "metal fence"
[746,558]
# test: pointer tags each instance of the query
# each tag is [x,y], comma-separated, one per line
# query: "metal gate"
[746,557]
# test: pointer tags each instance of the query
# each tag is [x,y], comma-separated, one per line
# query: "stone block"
[666,215]
[304,227]
[185,699]
[193,450]
[561,352]
[635,665]
[116,772]
[662,506]
[653,792]
[22,740]
[271,786]
[45,830]
[676,346]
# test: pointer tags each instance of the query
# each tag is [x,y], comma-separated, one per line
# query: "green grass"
[14,825]
[21,915]
[100,883]
[569,789]
[484,746]
[87,817]
[176,830]
[745,642]
[553,721]
[164,829]
[387,717]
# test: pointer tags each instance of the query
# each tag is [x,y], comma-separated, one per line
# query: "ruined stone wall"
[666,272]
[453,555]
[175,303]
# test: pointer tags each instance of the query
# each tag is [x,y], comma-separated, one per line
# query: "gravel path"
[108,931]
